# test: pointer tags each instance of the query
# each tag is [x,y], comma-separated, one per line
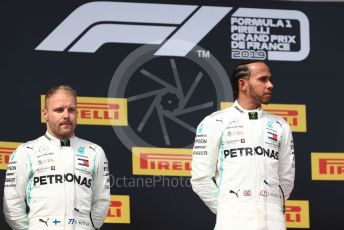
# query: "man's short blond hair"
[56,89]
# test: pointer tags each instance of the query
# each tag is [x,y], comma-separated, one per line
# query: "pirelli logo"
[161,161]
[119,210]
[99,111]
[327,166]
[297,214]
[6,149]
[295,115]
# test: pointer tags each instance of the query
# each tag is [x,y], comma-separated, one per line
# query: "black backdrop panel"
[110,59]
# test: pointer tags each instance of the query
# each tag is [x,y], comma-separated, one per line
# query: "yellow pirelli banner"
[119,210]
[295,115]
[327,166]
[297,214]
[6,149]
[161,161]
[99,111]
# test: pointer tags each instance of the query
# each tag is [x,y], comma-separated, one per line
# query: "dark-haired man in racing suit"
[243,157]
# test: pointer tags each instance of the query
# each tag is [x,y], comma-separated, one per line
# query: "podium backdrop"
[148,72]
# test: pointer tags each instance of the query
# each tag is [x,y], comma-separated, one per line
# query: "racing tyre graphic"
[167,96]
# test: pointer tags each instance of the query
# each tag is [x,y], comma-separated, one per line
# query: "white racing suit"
[64,187]
[243,168]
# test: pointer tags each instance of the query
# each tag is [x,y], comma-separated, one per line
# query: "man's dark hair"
[240,71]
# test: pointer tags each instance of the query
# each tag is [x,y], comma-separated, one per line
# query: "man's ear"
[242,84]
[45,114]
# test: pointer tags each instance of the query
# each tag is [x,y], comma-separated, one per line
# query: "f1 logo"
[98,23]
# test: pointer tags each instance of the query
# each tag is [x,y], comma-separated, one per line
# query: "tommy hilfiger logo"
[272,136]
[83,162]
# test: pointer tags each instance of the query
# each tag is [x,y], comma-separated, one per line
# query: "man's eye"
[59,110]
[265,79]
[71,110]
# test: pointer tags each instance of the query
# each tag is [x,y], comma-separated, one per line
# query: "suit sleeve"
[14,205]
[204,160]
[101,190]
[287,162]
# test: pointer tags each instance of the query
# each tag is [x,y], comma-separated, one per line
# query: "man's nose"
[66,113]
[270,85]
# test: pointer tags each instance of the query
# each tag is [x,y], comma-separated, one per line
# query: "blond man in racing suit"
[243,157]
[61,179]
